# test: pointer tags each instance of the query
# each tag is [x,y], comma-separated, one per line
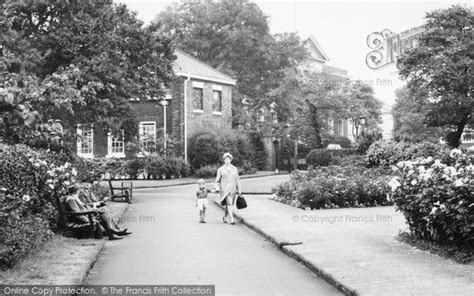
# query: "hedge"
[325,157]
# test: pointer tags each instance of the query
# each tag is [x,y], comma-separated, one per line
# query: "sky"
[341,27]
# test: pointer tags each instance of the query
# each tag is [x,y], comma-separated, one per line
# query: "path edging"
[282,246]
[98,250]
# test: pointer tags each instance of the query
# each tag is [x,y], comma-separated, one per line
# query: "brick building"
[199,97]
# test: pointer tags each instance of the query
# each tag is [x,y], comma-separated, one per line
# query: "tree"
[408,115]
[309,101]
[234,37]
[442,66]
[78,61]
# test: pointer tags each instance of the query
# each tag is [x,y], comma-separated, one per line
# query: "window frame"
[110,146]
[140,134]
[81,141]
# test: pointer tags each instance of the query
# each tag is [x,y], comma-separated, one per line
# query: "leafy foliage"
[409,118]
[30,181]
[233,36]
[441,66]
[436,199]
[335,187]
[78,61]
[207,148]
[387,153]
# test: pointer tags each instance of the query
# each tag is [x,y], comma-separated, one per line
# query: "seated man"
[76,205]
[90,199]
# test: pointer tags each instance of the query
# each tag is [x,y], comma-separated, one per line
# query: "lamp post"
[164,103]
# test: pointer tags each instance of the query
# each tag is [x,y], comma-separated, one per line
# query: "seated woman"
[103,214]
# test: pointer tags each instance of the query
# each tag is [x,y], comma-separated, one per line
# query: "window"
[85,141]
[147,130]
[217,101]
[337,127]
[261,115]
[197,98]
[115,145]
[274,116]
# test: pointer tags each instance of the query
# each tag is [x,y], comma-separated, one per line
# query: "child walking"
[201,200]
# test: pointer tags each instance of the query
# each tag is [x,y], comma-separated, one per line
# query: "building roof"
[187,66]
[315,49]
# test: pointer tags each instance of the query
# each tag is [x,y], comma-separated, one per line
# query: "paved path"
[168,246]
[356,249]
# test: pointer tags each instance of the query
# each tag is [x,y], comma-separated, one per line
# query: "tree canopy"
[309,100]
[408,115]
[77,61]
[234,37]
[442,67]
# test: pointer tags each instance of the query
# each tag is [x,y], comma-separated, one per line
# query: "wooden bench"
[90,228]
[124,192]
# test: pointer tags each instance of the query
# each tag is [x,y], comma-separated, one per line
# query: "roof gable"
[187,66]
[315,49]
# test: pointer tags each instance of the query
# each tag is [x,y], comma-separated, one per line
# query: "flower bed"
[437,199]
[29,182]
[335,187]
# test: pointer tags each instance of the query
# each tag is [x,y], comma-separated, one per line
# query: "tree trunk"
[454,138]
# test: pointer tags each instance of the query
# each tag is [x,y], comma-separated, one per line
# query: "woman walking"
[229,186]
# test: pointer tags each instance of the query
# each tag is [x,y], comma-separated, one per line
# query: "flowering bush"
[387,153]
[335,187]
[30,181]
[437,198]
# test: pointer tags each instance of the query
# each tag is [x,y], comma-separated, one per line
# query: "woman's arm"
[237,181]
[218,178]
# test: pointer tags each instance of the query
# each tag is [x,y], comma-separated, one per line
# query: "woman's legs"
[229,207]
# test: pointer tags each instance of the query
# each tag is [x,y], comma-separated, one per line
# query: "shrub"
[325,157]
[155,167]
[335,187]
[134,167]
[203,150]
[387,153]
[343,141]
[30,181]
[365,140]
[19,236]
[319,157]
[436,199]
[207,148]
[261,155]
[206,171]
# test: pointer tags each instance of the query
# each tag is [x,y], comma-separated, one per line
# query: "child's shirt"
[202,193]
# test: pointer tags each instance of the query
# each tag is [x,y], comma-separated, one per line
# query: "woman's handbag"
[241,203]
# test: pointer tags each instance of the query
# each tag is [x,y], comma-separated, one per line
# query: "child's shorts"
[202,203]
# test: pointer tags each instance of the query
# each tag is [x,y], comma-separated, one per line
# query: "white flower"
[26,198]
[36,164]
[66,183]
[413,182]
[67,164]
[433,210]
[425,176]
[394,183]
[421,168]
[442,207]
[458,183]
[74,172]
[51,186]
[437,163]
[450,171]
[437,203]
[455,152]
[410,172]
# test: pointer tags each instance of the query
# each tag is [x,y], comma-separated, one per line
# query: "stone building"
[200,97]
